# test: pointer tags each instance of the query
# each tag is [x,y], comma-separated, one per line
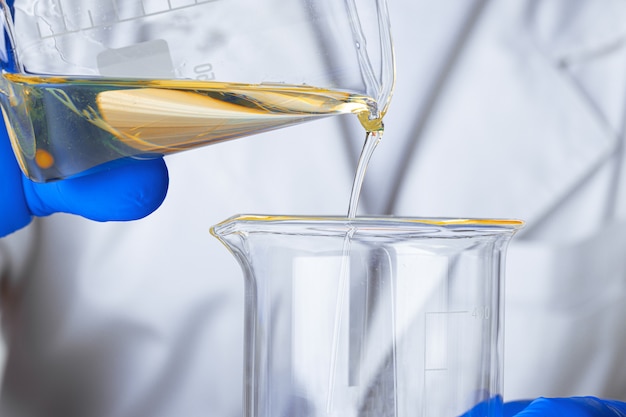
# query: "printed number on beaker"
[481,313]
[205,72]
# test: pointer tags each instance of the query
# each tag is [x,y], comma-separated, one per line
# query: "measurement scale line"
[91,18]
[115,9]
[62,14]
[58,2]
[118,20]
[447,312]
[39,30]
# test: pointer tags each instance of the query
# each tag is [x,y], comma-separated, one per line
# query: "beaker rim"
[395,224]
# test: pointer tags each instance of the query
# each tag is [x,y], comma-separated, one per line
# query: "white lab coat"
[502,109]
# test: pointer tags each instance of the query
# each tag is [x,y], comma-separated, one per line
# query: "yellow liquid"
[63,126]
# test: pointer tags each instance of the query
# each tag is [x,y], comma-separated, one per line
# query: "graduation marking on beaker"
[46,31]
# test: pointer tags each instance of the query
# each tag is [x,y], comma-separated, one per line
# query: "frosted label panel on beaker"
[313,314]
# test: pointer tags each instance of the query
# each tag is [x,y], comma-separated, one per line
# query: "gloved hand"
[127,189]
[566,407]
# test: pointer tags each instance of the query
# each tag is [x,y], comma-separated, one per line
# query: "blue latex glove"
[122,190]
[551,407]
[566,407]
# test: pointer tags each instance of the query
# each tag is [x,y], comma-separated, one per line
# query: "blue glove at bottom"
[566,407]
[550,407]
[127,189]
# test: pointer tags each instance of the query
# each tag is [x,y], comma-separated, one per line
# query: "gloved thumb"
[127,189]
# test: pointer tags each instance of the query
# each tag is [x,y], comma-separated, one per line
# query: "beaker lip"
[260,222]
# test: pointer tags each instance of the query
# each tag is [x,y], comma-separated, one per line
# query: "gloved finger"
[511,408]
[14,212]
[490,407]
[574,407]
[126,189]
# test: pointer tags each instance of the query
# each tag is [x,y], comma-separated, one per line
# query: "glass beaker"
[85,82]
[380,317]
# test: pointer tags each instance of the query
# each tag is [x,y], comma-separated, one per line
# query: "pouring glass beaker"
[404,320]
[89,81]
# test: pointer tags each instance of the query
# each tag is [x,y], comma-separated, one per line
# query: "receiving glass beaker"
[371,317]
[85,82]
